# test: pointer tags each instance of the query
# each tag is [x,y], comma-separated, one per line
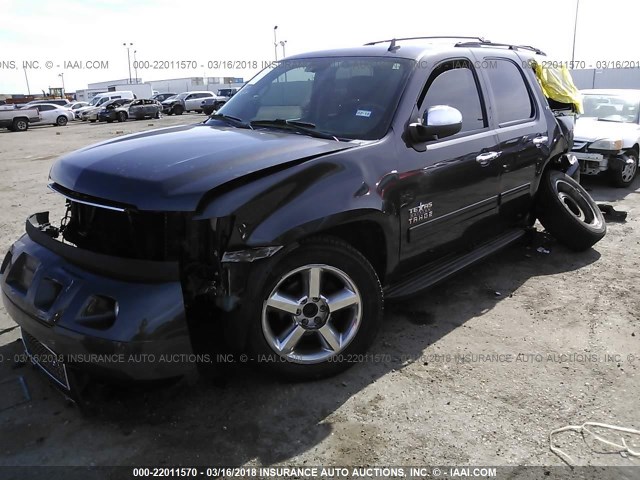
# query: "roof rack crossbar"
[455,37]
[508,45]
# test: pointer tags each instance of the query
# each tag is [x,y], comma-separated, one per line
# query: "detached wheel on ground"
[623,176]
[568,212]
[313,309]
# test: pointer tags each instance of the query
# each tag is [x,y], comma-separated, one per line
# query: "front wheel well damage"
[368,238]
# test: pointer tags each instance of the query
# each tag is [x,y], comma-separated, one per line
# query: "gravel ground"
[474,372]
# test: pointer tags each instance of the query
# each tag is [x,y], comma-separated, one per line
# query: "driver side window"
[454,84]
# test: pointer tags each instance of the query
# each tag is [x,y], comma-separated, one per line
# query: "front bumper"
[48,287]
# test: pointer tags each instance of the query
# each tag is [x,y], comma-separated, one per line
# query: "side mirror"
[438,122]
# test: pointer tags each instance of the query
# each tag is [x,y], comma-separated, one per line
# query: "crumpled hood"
[171,169]
[590,129]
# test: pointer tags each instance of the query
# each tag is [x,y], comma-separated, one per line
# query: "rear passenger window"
[453,83]
[512,99]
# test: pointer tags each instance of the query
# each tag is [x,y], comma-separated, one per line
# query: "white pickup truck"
[18,120]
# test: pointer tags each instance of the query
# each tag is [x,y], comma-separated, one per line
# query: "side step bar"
[438,271]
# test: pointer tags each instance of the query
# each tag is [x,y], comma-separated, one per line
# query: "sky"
[69,33]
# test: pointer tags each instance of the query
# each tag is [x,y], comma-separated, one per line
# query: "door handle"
[485,159]
[540,141]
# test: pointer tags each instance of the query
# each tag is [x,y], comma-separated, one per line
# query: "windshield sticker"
[363,113]
[396,66]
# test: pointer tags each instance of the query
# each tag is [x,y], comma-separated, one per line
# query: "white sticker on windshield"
[363,113]
[396,66]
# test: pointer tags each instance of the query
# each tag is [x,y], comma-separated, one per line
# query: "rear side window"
[512,99]
[454,84]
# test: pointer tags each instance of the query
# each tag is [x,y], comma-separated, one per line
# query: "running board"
[438,271]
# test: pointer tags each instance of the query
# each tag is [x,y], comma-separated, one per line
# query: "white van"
[101,98]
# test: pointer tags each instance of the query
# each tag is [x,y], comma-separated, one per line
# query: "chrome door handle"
[539,141]
[484,159]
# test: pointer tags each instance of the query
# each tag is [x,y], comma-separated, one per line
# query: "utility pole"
[275,42]
[128,58]
[135,65]
[575,29]
[61,75]
[27,80]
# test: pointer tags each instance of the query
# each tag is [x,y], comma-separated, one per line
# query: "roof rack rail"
[455,37]
[486,43]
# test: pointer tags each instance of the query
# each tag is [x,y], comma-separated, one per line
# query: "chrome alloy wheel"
[629,170]
[312,314]
[573,200]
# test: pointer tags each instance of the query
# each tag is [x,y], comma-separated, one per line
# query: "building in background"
[606,78]
[147,89]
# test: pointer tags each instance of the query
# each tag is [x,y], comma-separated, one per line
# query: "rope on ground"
[622,448]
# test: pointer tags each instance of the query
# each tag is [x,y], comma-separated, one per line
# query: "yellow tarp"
[558,85]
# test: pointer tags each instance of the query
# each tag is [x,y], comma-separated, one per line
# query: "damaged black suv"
[331,181]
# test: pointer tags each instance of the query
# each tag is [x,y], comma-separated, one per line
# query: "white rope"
[622,448]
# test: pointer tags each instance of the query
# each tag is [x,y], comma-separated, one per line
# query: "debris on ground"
[611,214]
[543,250]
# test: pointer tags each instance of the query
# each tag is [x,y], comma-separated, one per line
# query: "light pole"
[282,44]
[128,58]
[275,42]
[27,80]
[135,65]
[575,28]
[61,75]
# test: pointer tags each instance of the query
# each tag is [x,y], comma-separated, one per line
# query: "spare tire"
[568,212]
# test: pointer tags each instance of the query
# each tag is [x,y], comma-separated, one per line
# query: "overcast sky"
[203,31]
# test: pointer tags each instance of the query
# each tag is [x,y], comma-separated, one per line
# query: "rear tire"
[62,121]
[20,125]
[312,309]
[568,212]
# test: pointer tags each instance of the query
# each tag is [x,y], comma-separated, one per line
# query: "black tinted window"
[454,84]
[46,108]
[512,99]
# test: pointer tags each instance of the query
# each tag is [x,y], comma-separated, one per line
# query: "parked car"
[18,119]
[161,97]
[62,102]
[328,184]
[75,106]
[145,108]
[99,100]
[113,110]
[607,135]
[185,102]
[211,104]
[54,114]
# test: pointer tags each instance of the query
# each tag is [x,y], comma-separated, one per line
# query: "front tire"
[122,117]
[623,177]
[178,109]
[314,309]
[568,212]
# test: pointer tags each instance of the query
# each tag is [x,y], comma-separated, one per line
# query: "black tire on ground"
[92,121]
[340,272]
[624,175]
[178,109]
[62,120]
[568,212]
[122,117]
[20,125]
[109,121]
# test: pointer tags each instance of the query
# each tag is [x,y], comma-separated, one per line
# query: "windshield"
[348,97]
[181,96]
[614,108]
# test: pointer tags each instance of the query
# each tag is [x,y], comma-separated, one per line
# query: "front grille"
[45,358]
[129,234]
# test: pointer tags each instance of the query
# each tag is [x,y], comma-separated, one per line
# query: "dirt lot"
[419,405]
